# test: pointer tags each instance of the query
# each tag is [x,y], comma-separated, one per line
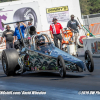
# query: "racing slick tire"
[89,61]
[61,65]
[10,61]
[24,14]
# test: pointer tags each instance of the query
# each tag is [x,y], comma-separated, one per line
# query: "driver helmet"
[40,40]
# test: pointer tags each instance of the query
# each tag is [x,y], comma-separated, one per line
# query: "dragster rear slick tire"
[10,61]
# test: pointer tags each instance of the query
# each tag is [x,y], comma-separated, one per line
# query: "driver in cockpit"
[41,45]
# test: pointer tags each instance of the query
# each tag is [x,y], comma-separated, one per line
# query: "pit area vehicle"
[42,55]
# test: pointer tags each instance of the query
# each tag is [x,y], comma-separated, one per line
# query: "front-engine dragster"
[42,55]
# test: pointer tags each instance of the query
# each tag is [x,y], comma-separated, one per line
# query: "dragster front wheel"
[89,61]
[61,65]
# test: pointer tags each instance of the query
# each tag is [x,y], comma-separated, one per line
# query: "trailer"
[41,11]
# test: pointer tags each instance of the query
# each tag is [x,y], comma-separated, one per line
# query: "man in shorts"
[72,25]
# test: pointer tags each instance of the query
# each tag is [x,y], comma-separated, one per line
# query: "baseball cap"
[54,19]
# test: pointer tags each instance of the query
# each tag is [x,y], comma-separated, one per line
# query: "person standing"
[72,25]
[27,29]
[17,33]
[30,30]
[55,28]
[9,35]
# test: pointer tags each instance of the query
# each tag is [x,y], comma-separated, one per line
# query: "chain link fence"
[92,23]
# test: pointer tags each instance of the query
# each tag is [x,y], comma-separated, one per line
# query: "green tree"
[94,6]
[89,6]
[6,0]
[84,4]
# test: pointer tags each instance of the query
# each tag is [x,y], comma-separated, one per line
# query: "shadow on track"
[48,75]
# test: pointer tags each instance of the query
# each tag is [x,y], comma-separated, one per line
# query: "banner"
[19,12]
[61,13]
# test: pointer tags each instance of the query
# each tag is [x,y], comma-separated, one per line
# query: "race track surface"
[56,88]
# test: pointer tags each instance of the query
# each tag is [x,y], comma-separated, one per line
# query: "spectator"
[55,28]
[9,35]
[72,25]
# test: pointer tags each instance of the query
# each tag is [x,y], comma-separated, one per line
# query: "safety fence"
[95,28]
[92,23]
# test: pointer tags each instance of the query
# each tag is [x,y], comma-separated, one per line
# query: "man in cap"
[9,36]
[55,28]
[72,25]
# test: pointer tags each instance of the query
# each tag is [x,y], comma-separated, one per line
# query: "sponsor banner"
[18,12]
[57,9]
[61,13]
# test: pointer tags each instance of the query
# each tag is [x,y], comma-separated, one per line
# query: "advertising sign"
[61,13]
[19,12]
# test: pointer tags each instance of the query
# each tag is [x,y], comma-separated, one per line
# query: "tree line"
[89,6]
[6,0]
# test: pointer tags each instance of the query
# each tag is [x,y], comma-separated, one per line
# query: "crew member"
[30,30]
[17,34]
[27,29]
[72,25]
[55,28]
[9,36]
